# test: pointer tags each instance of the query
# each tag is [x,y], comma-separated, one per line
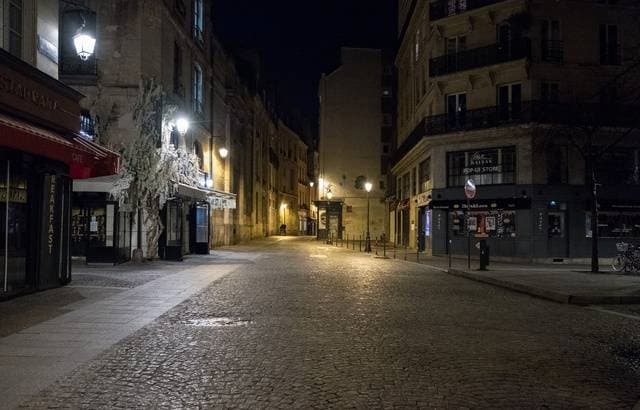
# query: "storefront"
[329,219]
[503,223]
[40,152]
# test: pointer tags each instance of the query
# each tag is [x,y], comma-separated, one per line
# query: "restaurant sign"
[483,162]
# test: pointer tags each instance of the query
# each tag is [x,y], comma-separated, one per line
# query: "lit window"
[197,92]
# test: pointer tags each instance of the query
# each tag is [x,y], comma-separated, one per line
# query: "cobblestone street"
[312,326]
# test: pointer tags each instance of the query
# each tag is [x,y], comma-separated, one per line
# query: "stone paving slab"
[33,358]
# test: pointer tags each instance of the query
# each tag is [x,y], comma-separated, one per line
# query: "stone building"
[351,147]
[172,42]
[482,87]
[42,151]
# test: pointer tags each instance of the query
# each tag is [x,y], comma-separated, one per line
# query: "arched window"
[197,150]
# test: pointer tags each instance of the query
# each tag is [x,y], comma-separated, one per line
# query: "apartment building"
[41,151]
[354,145]
[492,91]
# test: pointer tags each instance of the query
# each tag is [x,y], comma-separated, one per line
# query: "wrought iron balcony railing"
[445,8]
[553,51]
[565,114]
[480,57]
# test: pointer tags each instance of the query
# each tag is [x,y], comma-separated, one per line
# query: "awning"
[85,158]
[97,184]
[192,192]
[222,200]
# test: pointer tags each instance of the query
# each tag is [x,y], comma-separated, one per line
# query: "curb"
[581,300]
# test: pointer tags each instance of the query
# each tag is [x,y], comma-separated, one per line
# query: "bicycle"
[628,258]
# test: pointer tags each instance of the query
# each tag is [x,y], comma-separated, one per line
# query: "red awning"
[85,158]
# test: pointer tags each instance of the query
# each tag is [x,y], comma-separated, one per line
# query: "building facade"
[352,146]
[171,42]
[496,92]
[42,151]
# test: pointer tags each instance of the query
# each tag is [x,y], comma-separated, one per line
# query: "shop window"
[615,224]
[493,224]
[406,186]
[485,167]
[556,224]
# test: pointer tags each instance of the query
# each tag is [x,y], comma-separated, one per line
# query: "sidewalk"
[101,306]
[563,283]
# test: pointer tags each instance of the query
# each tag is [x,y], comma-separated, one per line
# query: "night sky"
[300,39]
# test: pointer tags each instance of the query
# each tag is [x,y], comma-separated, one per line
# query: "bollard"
[405,251]
[449,254]
[347,241]
[418,253]
[395,246]
[360,244]
[384,246]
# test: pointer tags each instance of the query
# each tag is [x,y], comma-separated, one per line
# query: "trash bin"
[484,255]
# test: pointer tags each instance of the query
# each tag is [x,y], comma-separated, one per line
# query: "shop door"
[421,228]
[171,240]
[199,229]
[14,224]
[101,241]
[558,244]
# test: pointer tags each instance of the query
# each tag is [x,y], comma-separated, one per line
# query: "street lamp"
[84,42]
[368,186]
[223,152]
[182,125]
[284,218]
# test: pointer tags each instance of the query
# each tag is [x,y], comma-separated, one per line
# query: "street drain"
[218,322]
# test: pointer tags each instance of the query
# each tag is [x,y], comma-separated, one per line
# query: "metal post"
[360,244]
[6,230]
[384,246]
[368,244]
[450,242]
[395,246]
[347,241]
[405,251]
[468,235]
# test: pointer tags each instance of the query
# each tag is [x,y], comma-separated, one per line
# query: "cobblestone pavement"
[310,326]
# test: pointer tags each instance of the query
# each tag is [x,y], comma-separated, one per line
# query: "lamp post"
[368,186]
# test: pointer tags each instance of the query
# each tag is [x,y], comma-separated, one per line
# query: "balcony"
[445,8]
[479,57]
[553,51]
[571,115]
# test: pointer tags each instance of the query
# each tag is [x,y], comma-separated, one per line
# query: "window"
[87,125]
[387,120]
[456,110]
[15,27]
[549,92]
[496,223]
[619,166]
[416,50]
[509,102]
[609,45]
[557,165]
[552,46]
[178,88]
[198,21]
[414,180]
[406,186]
[456,44]
[424,174]
[485,167]
[197,150]
[197,94]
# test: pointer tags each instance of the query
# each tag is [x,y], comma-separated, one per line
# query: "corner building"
[480,84]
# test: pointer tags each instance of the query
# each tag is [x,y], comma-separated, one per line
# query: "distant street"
[302,324]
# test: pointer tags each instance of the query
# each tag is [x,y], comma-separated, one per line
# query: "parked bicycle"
[628,258]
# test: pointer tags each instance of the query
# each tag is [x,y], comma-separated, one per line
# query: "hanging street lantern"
[84,42]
